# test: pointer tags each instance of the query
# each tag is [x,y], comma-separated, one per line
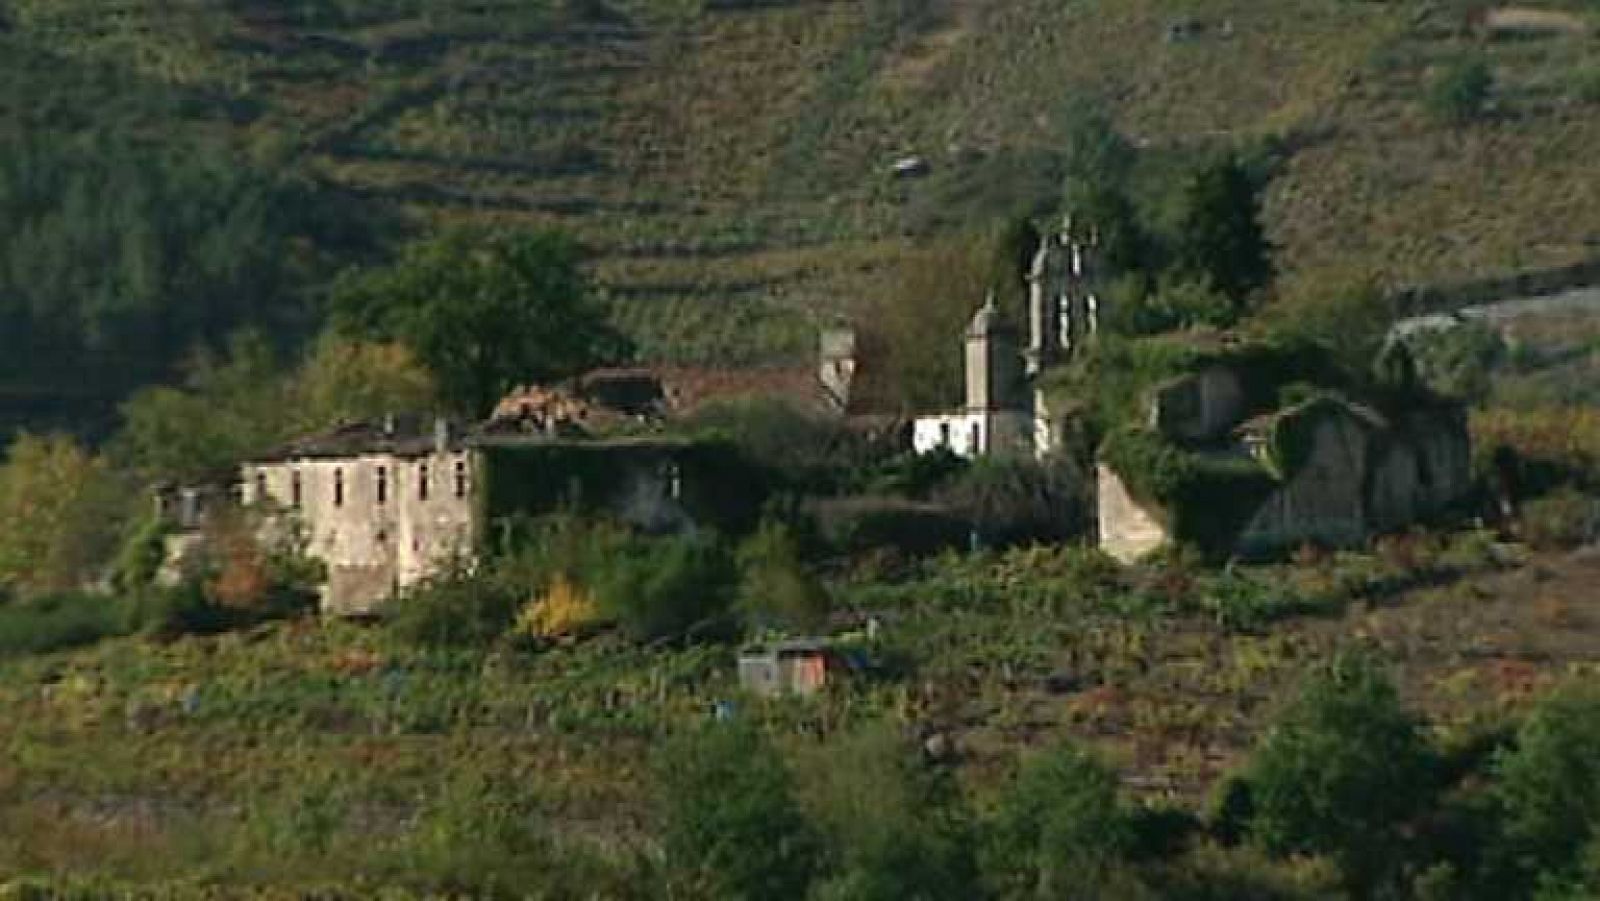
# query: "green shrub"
[732,826]
[666,587]
[896,827]
[1340,772]
[458,607]
[1175,303]
[1460,92]
[1549,782]
[1017,501]
[775,590]
[171,611]
[1059,828]
[57,621]
[1560,521]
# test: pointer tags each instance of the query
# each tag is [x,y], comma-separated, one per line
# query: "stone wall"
[1128,531]
[374,540]
[1323,501]
[1202,406]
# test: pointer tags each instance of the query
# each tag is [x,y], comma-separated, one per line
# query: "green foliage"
[1348,321]
[484,310]
[1172,304]
[355,381]
[1563,520]
[228,407]
[1014,501]
[912,330]
[775,590]
[1341,771]
[168,612]
[808,451]
[1060,828]
[1217,233]
[54,622]
[896,827]
[455,608]
[733,828]
[1458,362]
[1549,782]
[121,257]
[141,555]
[659,588]
[61,512]
[1459,93]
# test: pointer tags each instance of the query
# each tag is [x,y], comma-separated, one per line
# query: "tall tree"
[1218,234]
[60,511]
[484,310]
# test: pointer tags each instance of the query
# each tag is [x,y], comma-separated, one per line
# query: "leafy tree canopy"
[484,310]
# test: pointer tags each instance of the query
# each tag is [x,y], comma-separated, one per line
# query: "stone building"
[1326,470]
[1005,412]
[383,504]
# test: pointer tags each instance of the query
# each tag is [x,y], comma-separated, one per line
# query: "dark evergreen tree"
[1218,234]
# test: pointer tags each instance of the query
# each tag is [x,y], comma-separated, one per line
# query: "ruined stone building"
[386,504]
[1005,412]
[1250,473]
[616,396]
[1238,479]
[382,504]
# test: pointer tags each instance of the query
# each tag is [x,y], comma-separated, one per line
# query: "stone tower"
[994,371]
[1063,308]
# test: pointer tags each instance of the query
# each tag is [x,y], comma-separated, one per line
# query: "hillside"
[728,162]
[310,756]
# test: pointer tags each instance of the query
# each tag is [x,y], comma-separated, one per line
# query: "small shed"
[795,667]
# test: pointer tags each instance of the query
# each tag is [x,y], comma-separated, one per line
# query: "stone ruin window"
[944,434]
[261,486]
[422,481]
[975,439]
[461,478]
[338,488]
[383,485]
[295,494]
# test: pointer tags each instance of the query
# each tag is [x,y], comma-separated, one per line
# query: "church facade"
[1005,412]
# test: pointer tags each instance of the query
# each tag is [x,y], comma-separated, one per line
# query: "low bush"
[1060,829]
[895,827]
[1459,93]
[666,587]
[1560,521]
[456,608]
[732,826]
[170,611]
[1340,773]
[775,590]
[58,621]
[1549,783]
[1020,501]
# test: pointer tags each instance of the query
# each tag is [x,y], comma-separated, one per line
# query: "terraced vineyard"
[729,162]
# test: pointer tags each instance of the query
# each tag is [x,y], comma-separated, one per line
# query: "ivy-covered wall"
[658,485]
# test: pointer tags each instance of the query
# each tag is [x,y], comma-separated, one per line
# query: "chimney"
[388,425]
[441,435]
